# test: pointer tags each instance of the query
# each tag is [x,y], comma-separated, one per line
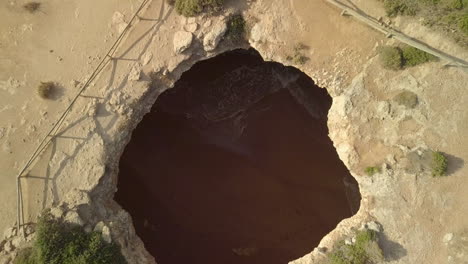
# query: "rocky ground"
[423,218]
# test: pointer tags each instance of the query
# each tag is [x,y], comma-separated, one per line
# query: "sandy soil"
[61,43]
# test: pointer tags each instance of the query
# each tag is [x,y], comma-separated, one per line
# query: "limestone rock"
[191,27]
[8,247]
[77,197]
[5,259]
[99,226]
[447,238]
[73,217]
[9,232]
[182,40]
[135,73]
[212,38]
[56,212]
[106,234]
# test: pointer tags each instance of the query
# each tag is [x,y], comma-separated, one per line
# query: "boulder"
[182,41]
[212,38]
[73,217]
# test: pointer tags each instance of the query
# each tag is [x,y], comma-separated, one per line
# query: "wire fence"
[57,125]
[392,33]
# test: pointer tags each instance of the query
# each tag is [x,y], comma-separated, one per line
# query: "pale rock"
[207,23]
[77,197]
[5,259]
[191,27]
[8,247]
[56,212]
[374,226]
[191,20]
[16,242]
[9,232]
[147,56]
[447,238]
[135,73]
[106,234]
[99,226]
[182,41]
[212,38]
[73,217]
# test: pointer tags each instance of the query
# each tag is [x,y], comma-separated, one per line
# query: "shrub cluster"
[439,164]
[364,250]
[397,58]
[371,170]
[62,243]
[46,90]
[235,28]
[191,8]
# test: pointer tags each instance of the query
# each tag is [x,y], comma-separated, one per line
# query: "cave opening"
[234,165]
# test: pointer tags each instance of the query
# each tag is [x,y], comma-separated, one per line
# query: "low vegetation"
[439,164]
[298,56]
[407,99]
[397,58]
[399,7]
[236,28]
[413,56]
[449,16]
[391,58]
[365,250]
[372,170]
[46,90]
[61,243]
[191,8]
[32,7]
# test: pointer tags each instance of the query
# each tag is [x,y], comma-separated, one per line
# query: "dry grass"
[32,7]
[46,90]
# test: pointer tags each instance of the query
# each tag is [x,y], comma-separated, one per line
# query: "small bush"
[407,99]
[391,57]
[61,243]
[371,170]
[365,250]
[170,2]
[439,164]
[298,56]
[32,7]
[26,256]
[46,90]
[236,28]
[463,23]
[413,56]
[457,4]
[191,8]
[399,7]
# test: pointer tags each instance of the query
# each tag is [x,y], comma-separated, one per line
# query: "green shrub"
[439,164]
[407,99]
[235,28]
[61,243]
[399,7]
[457,4]
[391,57]
[463,23]
[371,170]
[413,56]
[365,250]
[32,7]
[190,8]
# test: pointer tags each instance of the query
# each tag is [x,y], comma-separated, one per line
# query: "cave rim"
[263,61]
